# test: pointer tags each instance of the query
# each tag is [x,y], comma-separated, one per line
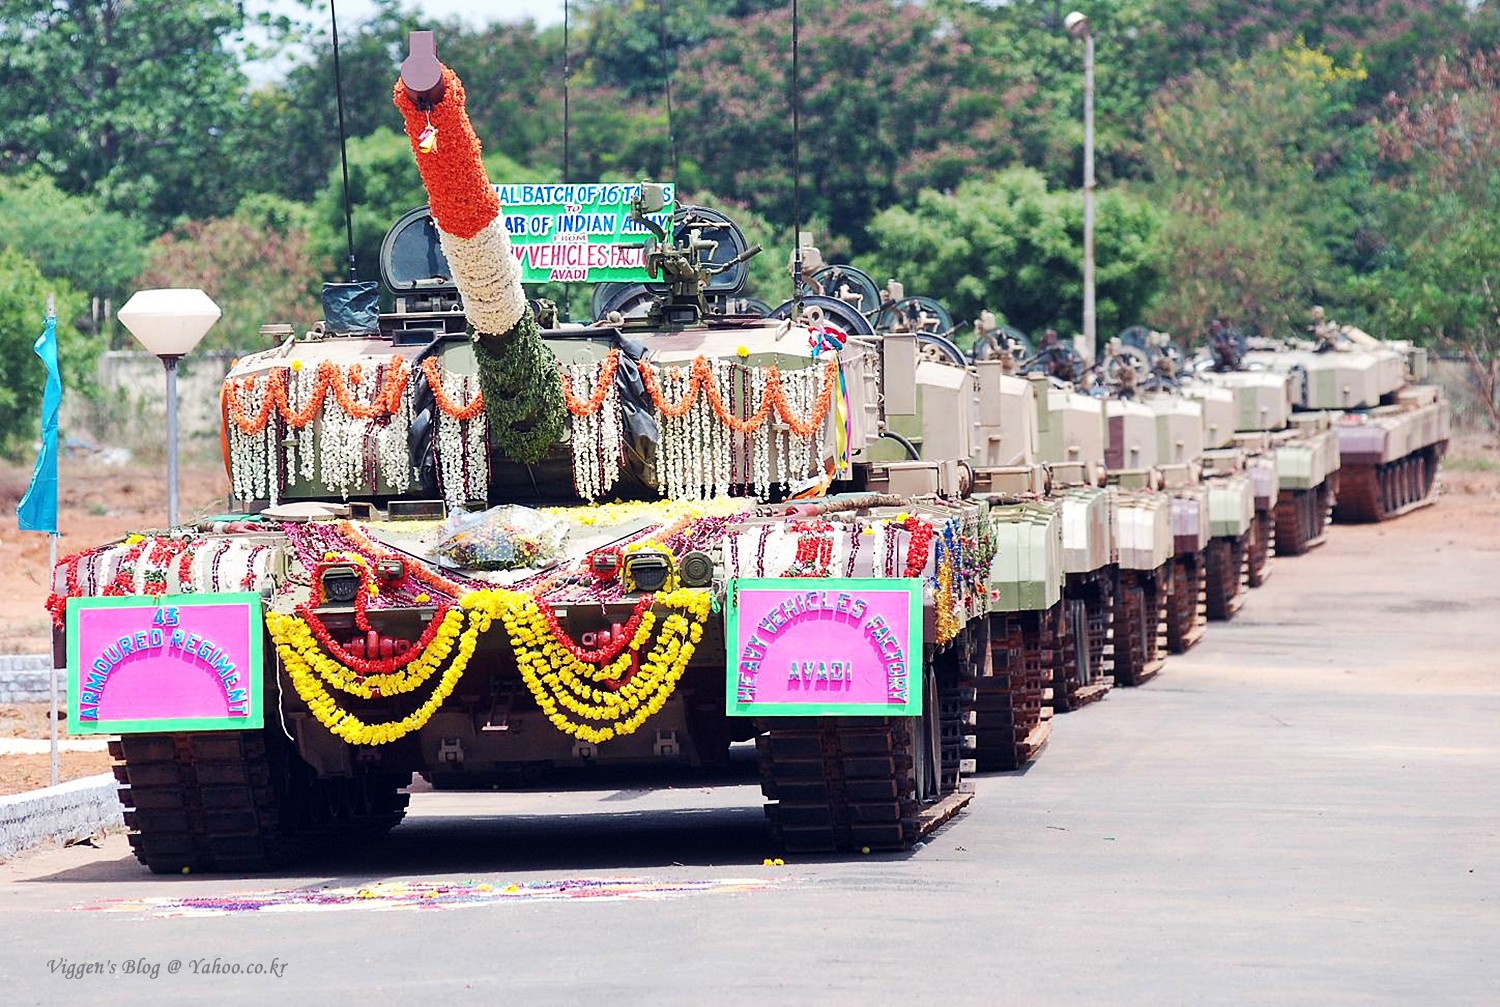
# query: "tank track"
[1187,610]
[1302,517]
[1012,682]
[1085,673]
[840,784]
[1140,632]
[1369,493]
[239,801]
[1227,565]
[854,783]
[1260,548]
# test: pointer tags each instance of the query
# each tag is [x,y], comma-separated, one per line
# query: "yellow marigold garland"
[555,677]
[290,632]
[349,727]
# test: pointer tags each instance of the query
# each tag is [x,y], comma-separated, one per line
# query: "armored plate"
[1027,572]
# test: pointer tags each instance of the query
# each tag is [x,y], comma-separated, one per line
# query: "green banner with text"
[579,233]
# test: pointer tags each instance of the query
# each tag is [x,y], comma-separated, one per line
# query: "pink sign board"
[824,646]
[175,663]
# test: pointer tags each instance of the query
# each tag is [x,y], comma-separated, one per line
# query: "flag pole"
[56,763]
[51,572]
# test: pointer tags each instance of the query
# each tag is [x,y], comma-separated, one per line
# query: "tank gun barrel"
[517,372]
[464,205]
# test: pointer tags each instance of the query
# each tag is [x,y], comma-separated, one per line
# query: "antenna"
[338,89]
[796,160]
[567,75]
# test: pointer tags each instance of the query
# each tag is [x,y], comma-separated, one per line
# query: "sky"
[475,12]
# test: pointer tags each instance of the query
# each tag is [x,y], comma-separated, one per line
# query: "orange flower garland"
[247,426]
[467,412]
[595,402]
[386,402]
[459,193]
[701,378]
[665,408]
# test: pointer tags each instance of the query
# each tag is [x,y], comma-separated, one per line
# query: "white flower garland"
[391,451]
[488,277]
[458,440]
[341,437]
[252,455]
[597,439]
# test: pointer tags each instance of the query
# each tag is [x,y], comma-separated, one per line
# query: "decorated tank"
[468,542]
[1392,429]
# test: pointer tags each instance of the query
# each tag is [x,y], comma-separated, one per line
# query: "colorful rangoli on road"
[424,895]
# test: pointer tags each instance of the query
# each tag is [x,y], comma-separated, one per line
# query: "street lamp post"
[1077,25]
[170,323]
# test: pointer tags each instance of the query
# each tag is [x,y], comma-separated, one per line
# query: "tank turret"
[1392,429]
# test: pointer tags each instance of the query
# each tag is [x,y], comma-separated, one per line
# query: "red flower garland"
[606,653]
[366,666]
[916,549]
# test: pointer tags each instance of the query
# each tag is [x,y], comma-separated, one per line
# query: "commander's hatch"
[415,270]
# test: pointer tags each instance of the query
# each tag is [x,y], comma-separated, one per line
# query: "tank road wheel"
[849,783]
[1225,563]
[1140,615]
[1010,721]
[1302,518]
[1258,549]
[1371,493]
[1187,615]
[1082,675]
[239,801]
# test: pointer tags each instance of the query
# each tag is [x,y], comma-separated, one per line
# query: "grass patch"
[1472,463]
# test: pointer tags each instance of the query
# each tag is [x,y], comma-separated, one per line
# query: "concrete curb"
[69,811]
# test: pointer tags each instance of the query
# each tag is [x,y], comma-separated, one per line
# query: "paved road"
[1305,810]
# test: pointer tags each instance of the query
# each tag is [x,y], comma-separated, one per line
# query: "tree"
[1182,36]
[71,237]
[136,102]
[1266,178]
[257,271]
[1008,244]
[892,100]
[1440,143]
[23,301]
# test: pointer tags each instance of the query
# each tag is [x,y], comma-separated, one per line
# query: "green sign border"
[912,586]
[255,716]
[616,208]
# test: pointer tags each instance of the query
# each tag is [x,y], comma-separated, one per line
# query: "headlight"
[341,585]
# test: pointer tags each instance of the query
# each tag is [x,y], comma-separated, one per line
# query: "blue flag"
[38,508]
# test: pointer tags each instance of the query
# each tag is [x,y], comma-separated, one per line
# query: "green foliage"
[142,101]
[23,302]
[255,265]
[1266,181]
[1440,143]
[891,98]
[383,184]
[71,237]
[1009,244]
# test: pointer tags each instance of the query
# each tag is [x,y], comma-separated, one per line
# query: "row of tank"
[1067,525]
[1141,497]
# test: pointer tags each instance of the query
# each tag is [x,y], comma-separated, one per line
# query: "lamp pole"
[170,363]
[170,323]
[1078,26]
